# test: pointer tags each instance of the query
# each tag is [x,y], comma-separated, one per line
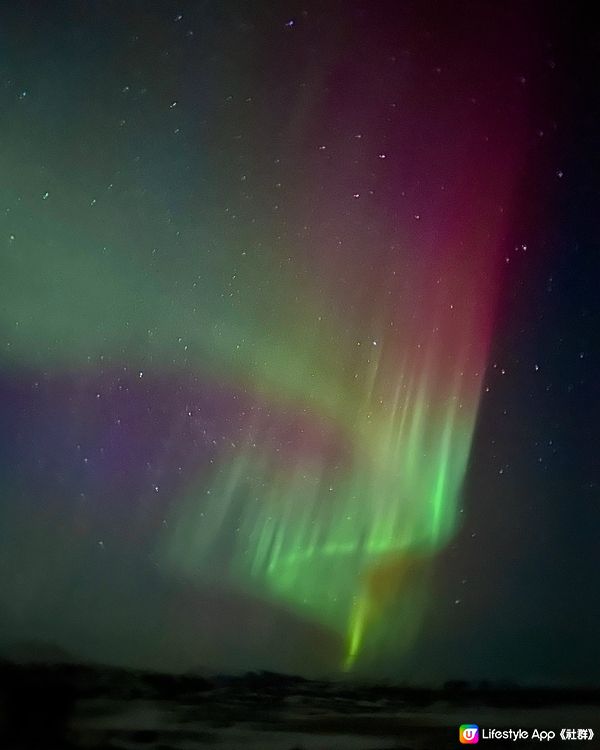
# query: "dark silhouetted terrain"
[45,706]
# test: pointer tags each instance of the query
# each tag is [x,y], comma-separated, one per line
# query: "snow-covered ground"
[89,708]
[300,725]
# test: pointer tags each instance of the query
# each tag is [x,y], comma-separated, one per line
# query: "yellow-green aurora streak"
[338,542]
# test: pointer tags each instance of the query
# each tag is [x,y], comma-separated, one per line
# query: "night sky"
[298,327]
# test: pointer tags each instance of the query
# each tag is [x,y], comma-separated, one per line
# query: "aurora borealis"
[257,278]
[320,529]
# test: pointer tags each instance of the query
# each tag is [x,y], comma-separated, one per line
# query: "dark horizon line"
[451,686]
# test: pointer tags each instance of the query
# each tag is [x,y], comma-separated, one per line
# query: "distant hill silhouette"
[35,652]
[56,704]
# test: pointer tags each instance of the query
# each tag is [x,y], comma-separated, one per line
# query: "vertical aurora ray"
[325,255]
[392,327]
[345,541]
[336,542]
